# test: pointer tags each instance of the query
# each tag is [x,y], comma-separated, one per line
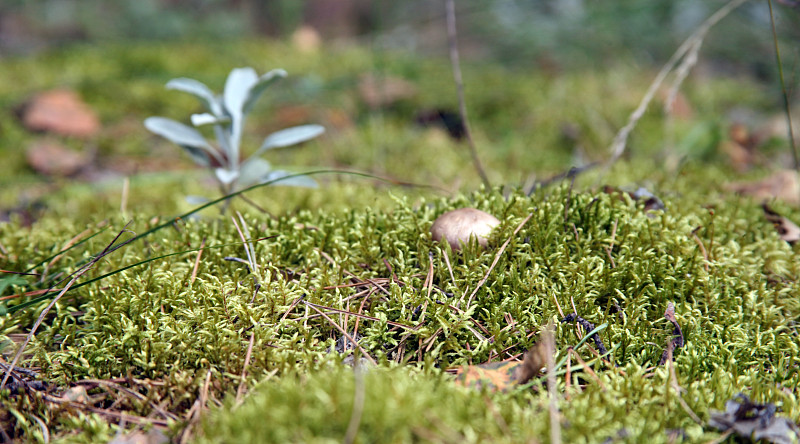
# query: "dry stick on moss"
[452,39]
[550,348]
[108,413]
[610,248]
[692,43]
[130,393]
[494,262]
[586,367]
[360,312]
[68,245]
[677,388]
[197,260]
[240,390]
[343,332]
[197,412]
[353,275]
[450,269]
[349,313]
[702,248]
[568,377]
[110,248]
[243,235]
[786,105]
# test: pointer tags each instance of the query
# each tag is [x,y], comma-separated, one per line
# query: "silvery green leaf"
[290,136]
[199,90]
[262,84]
[226,176]
[237,88]
[199,156]
[205,119]
[295,181]
[176,132]
[185,136]
[253,171]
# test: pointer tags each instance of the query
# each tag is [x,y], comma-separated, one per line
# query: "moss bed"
[166,346]
[157,332]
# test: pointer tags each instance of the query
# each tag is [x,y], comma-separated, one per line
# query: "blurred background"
[547,34]
[548,84]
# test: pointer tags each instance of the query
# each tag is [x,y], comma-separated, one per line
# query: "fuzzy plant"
[227,114]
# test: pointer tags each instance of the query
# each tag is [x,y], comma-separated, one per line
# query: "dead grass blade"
[110,248]
[494,262]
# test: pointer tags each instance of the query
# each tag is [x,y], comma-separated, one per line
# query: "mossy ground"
[359,246]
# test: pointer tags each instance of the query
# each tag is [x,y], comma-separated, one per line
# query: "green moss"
[399,406]
[737,310]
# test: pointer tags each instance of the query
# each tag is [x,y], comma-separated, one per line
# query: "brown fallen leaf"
[503,376]
[60,112]
[782,185]
[54,159]
[497,376]
[786,229]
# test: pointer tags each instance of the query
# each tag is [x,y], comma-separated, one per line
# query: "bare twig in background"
[686,52]
[569,174]
[784,92]
[462,106]
[123,205]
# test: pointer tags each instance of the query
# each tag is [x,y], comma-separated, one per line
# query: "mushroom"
[458,226]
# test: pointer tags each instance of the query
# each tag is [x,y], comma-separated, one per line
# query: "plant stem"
[787,106]
[462,107]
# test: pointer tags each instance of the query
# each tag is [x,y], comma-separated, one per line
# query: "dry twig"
[462,106]
[110,248]
[494,262]
[684,52]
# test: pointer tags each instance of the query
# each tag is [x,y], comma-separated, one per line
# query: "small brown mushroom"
[458,226]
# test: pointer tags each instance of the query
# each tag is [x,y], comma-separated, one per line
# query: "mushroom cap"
[458,226]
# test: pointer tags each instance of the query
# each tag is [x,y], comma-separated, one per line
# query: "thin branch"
[494,262]
[240,390]
[693,42]
[784,92]
[197,261]
[462,106]
[343,332]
